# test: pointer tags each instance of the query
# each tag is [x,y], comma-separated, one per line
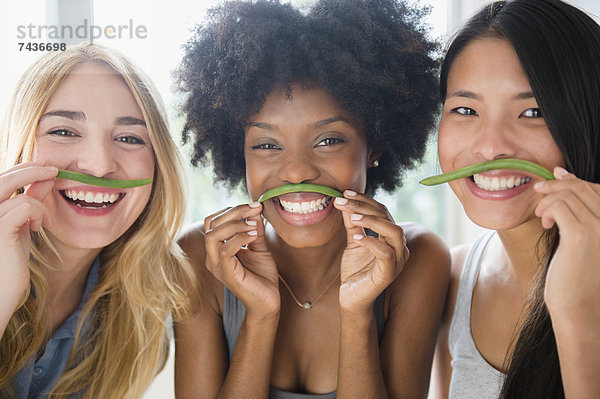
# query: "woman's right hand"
[18,216]
[237,255]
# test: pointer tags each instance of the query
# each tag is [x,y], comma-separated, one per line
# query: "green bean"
[99,181]
[489,165]
[294,188]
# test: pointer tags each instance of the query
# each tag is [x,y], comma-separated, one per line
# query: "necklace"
[307,305]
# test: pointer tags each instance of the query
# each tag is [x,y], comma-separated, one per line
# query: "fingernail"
[251,222]
[350,193]
[341,201]
[254,204]
[252,233]
[51,168]
[356,216]
[538,185]
[358,237]
[560,172]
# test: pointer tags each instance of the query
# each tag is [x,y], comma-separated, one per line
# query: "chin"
[84,239]
[308,236]
[497,221]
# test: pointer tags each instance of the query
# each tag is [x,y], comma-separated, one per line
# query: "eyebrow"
[129,120]
[327,121]
[74,115]
[262,125]
[316,125]
[526,95]
[80,116]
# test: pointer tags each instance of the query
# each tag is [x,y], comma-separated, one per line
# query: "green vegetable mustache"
[101,182]
[294,188]
[489,165]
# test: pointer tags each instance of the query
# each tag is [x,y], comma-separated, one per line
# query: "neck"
[66,280]
[307,269]
[521,249]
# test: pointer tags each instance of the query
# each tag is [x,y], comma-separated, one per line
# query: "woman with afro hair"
[305,295]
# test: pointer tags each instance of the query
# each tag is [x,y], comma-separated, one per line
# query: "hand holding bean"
[237,255]
[573,280]
[369,264]
[18,216]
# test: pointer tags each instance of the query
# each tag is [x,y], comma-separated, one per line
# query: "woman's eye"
[265,146]
[532,113]
[130,140]
[62,132]
[463,111]
[328,142]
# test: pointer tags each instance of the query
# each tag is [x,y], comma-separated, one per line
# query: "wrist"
[357,316]
[263,317]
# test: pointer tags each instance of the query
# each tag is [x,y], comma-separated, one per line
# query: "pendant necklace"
[307,305]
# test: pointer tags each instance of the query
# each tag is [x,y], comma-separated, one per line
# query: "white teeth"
[305,207]
[91,197]
[499,183]
[510,182]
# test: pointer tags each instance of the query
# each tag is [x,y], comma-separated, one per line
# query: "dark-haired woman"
[522,80]
[306,303]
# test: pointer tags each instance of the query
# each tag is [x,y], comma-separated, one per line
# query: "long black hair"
[558,46]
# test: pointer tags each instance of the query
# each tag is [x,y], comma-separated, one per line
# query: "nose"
[494,140]
[298,167]
[96,156]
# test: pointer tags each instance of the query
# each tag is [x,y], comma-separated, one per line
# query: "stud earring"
[375,163]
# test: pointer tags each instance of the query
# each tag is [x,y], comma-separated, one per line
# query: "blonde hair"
[144,276]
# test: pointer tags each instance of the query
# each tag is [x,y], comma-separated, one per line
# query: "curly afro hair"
[373,56]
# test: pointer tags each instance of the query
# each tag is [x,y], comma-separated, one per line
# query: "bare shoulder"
[191,241]
[427,270]
[427,249]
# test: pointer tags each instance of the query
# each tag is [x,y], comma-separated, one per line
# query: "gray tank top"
[472,376]
[234,313]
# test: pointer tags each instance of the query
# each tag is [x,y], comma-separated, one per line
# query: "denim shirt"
[37,377]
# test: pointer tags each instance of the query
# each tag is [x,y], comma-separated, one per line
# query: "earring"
[375,163]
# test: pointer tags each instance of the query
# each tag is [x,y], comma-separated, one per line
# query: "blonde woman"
[88,275]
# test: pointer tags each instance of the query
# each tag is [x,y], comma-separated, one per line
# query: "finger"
[12,203]
[215,238]
[388,232]
[231,268]
[570,187]
[260,244]
[237,213]
[583,211]
[39,190]
[351,229]
[360,203]
[562,213]
[389,263]
[209,218]
[18,212]
[21,176]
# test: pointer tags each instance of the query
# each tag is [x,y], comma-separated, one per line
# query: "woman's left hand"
[573,280]
[369,264]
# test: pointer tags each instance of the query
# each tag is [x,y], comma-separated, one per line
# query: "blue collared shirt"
[36,379]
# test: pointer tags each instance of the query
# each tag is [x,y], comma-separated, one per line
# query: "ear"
[374,157]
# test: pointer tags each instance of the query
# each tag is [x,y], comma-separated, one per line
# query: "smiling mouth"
[499,183]
[91,200]
[305,207]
